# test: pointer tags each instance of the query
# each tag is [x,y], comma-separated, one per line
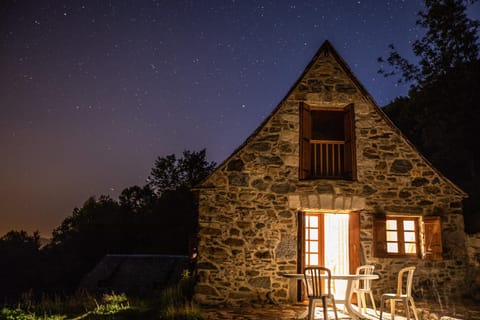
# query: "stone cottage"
[326,179]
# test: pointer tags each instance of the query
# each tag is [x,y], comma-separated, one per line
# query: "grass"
[173,303]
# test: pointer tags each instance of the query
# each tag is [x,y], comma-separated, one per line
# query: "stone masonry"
[248,207]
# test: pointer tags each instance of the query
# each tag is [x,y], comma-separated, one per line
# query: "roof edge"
[327,47]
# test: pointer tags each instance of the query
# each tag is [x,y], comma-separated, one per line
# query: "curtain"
[336,249]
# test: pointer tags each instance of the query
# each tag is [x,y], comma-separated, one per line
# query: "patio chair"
[363,287]
[404,294]
[318,283]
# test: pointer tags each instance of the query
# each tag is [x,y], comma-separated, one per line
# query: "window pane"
[313,234]
[313,259]
[313,246]
[408,225]
[409,236]
[391,224]
[392,236]
[392,247]
[312,222]
[410,248]
[328,125]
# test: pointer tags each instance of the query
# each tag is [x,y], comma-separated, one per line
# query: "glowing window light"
[401,235]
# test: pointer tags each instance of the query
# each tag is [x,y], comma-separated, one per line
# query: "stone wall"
[248,207]
[473,271]
[473,249]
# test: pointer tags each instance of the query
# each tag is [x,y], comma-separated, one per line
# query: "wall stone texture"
[473,271]
[248,207]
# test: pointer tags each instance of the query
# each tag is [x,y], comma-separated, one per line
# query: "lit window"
[407,236]
[312,240]
[402,235]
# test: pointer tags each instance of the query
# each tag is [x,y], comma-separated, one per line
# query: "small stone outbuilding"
[326,179]
[135,274]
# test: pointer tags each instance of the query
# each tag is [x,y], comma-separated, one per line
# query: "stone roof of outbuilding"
[327,48]
[135,273]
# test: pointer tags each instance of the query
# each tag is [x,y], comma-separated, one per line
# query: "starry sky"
[92,92]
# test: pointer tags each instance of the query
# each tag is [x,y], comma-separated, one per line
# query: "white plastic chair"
[319,289]
[403,294]
[363,287]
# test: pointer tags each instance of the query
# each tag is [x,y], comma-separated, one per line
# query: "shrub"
[112,303]
[176,302]
[19,314]
[187,311]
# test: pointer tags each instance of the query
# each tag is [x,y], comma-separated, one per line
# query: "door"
[330,240]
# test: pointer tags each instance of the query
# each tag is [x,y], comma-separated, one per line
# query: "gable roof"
[327,49]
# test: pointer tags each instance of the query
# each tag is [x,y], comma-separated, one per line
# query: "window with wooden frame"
[313,242]
[402,236]
[327,142]
[408,237]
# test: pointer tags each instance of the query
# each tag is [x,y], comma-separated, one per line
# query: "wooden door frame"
[353,239]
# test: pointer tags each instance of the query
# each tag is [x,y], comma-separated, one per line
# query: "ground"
[427,311]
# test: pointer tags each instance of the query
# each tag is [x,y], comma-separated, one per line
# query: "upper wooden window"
[327,143]
[400,236]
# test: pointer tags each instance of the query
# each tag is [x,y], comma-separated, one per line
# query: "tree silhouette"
[138,200]
[439,116]
[175,214]
[101,226]
[450,41]
[19,263]
[141,221]
[170,173]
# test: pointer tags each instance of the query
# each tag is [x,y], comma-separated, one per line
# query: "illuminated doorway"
[330,240]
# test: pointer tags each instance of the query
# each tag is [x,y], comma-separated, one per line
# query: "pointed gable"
[326,82]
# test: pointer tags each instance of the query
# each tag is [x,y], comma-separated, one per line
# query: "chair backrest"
[407,289]
[317,281]
[365,269]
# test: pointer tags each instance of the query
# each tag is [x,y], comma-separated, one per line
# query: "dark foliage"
[170,173]
[441,120]
[440,114]
[141,221]
[138,200]
[450,42]
[19,253]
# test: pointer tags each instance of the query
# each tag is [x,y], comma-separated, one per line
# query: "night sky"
[92,92]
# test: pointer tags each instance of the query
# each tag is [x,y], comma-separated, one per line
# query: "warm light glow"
[392,236]
[333,236]
[336,249]
[312,221]
[391,224]
[410,248]
[408,225]
[392,247]
[409,236]
[401,235]
[311,240]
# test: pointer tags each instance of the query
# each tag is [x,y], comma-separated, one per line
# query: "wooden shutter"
[305,137]
[433,237]
[380,236]
[350,160]
[354,240]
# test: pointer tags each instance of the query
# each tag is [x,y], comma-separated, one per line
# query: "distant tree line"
[441,114]
[159,217]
